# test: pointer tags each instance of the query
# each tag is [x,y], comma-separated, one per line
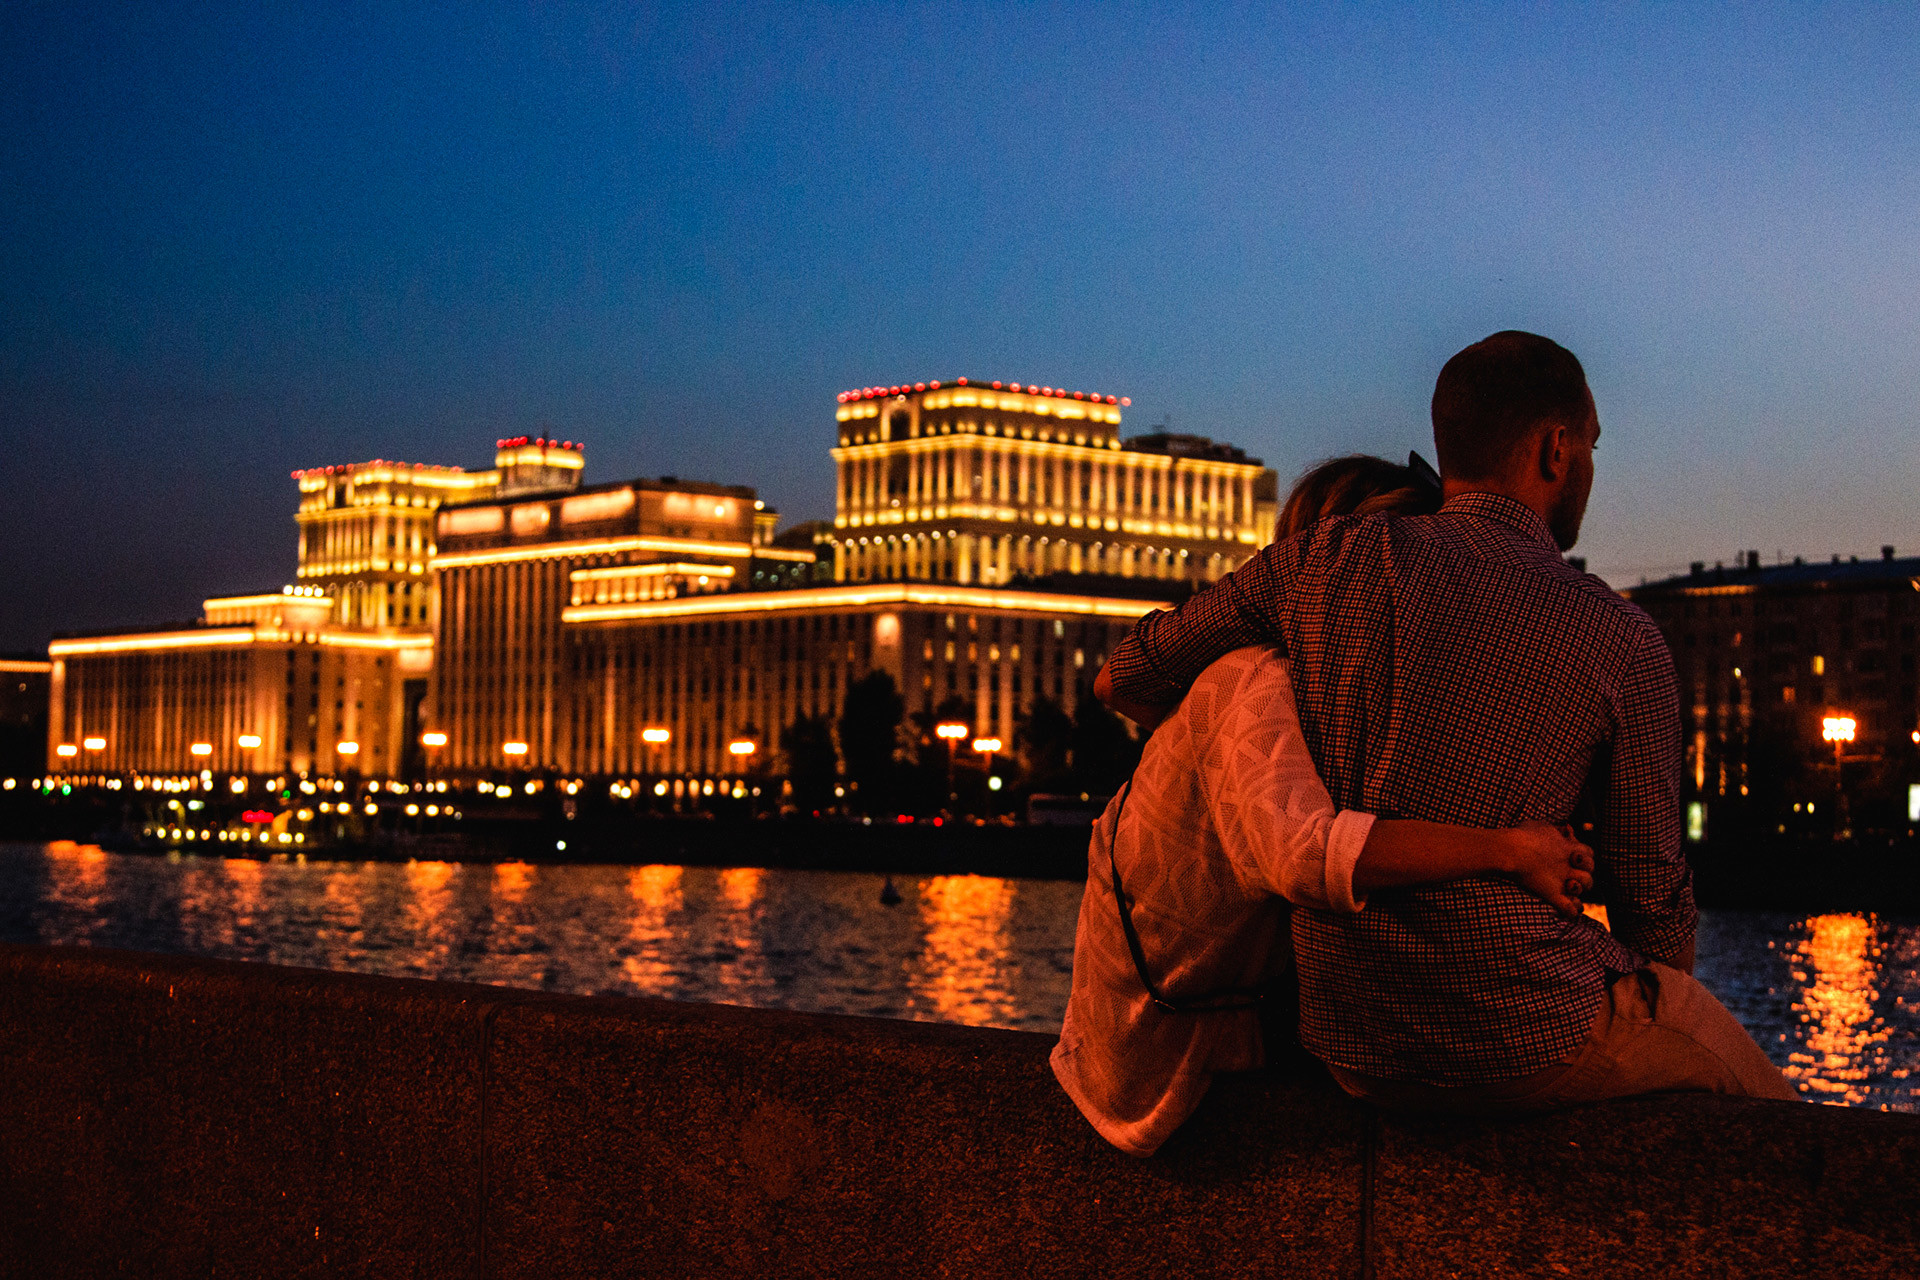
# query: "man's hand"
[1549,862]
[1146,717]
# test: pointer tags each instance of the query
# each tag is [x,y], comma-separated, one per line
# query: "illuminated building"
[989,547]
[266,683]
[327,676]
[510,567]
[367,528]
[989,483]
[719,668]
[1765,653]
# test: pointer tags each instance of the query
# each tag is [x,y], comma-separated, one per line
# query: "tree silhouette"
[812,763]
[870,737]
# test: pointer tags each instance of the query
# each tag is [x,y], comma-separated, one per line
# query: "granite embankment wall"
[164,1117]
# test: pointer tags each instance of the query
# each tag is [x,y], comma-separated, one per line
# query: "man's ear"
[1553,452]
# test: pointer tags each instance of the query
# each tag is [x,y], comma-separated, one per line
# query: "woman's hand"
[1547,861]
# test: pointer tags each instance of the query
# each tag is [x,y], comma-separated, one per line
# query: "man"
[1454,668]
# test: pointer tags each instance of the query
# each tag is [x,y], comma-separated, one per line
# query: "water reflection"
[1838,967]
[1834,999]
[739,960]
[646,956]
[962,975]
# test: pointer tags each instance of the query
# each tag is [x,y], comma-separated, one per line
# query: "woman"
[1181,964]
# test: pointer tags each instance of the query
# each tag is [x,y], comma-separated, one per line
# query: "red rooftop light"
[961,381]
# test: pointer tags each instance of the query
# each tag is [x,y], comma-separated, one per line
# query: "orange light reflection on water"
[1838,967]
[963,972]
[657,899]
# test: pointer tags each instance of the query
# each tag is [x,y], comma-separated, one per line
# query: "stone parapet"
[164,1116]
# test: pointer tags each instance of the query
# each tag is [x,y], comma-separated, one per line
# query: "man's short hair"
[1492,397]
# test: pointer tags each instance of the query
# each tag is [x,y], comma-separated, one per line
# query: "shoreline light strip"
[898,593]
[29,667]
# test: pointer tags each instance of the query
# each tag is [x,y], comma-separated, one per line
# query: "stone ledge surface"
[163,1116]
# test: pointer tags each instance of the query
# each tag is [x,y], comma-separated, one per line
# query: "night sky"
[238,241]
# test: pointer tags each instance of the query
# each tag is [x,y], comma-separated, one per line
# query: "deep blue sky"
[235,241]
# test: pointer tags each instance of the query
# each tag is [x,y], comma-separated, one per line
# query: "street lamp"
[741,748]
[433,738]
[513,748]
[94,744]
[248,741]
[1839,730]
[951,731]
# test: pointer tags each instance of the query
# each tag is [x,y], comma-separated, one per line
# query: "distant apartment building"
[1767,655]
[989,546]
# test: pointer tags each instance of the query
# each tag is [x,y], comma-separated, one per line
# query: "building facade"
[989,546]
[1767,655]
[510,568]
[327,676]
[991,483]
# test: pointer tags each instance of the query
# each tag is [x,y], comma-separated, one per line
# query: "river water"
[1835,999]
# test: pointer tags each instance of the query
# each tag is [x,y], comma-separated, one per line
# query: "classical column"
[1004,568]
[963,567]
[1006,473]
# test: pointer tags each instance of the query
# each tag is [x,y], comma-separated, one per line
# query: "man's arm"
[1276,822]
[1648,886]
[1151,670]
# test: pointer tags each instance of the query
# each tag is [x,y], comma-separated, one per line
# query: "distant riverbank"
[1785,875]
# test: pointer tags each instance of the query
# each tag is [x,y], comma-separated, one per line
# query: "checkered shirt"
[1454,668]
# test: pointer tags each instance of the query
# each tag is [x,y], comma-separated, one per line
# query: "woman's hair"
[1356,485]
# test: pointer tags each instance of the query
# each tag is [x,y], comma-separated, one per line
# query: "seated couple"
[1370,737]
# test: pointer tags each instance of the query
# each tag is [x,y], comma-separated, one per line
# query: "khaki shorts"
[1657,1031]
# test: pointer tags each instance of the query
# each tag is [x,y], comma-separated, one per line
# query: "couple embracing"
[1370,741]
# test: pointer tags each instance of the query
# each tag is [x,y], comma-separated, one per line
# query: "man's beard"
[1565,516]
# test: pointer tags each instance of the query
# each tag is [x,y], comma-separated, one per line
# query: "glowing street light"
[94,744]
[656,735]
[986,746]
[347,748]
[248,741]
[741,747]
[952,730]
[433,738]
[201,748]
[66,750]
[513,748]
[1838,729]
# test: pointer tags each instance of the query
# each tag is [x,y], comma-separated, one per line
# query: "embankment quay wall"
[164,1116]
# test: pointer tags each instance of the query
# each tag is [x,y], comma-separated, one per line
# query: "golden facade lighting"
[935,595]
[971,484]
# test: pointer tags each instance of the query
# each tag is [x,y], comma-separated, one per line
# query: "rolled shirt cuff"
[1345,839]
